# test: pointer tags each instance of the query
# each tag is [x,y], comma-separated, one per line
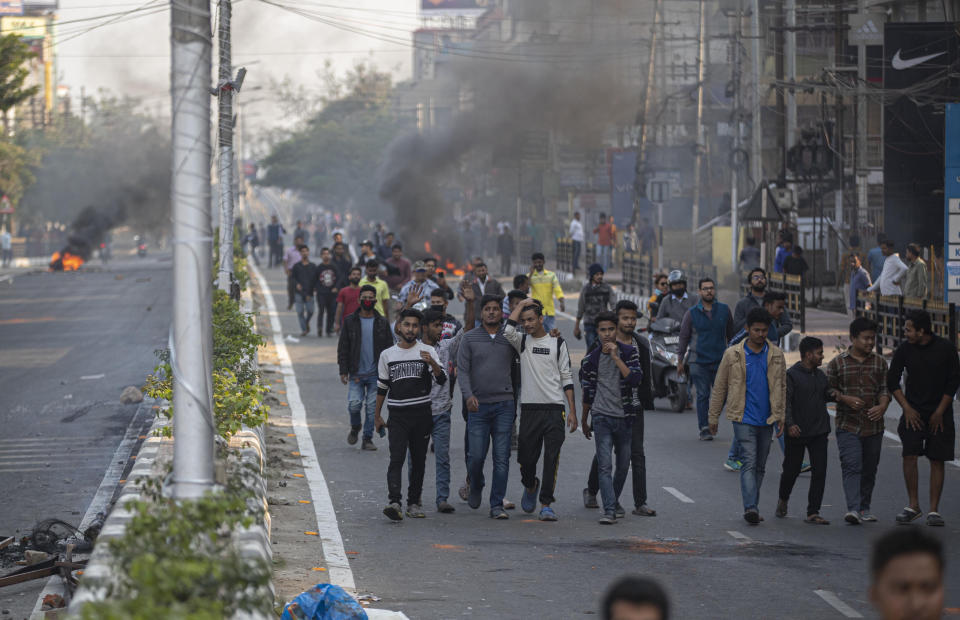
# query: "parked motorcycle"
[141,246]
[664,336]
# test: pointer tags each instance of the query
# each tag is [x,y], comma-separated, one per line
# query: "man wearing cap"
[596,297]
[419,288]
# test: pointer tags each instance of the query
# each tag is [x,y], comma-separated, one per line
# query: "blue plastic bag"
[324,601]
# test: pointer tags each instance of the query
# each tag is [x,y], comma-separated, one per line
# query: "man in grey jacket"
[484,364]
[676,304]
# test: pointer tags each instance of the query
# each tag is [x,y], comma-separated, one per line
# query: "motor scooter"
[664,336]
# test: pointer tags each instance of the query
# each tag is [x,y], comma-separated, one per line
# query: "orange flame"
[451,265]
[459,272]
[69,262]
[426,246]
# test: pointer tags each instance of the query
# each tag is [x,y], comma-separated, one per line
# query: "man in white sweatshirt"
[546,388]
[893,272]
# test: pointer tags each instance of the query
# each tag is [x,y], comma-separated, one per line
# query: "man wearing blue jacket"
[610,375]
[704,332]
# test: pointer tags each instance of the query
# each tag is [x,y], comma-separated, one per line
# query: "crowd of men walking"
[506,359]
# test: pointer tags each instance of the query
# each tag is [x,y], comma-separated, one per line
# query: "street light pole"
[225,146]
[192,337]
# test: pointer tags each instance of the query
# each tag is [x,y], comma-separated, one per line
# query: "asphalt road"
[713,563]
[69,344]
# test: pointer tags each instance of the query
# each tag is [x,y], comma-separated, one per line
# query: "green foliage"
[332,156]
[237,392]
[14,56]
[15,169]
[177,559]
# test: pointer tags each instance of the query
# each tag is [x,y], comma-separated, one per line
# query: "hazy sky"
[129,53]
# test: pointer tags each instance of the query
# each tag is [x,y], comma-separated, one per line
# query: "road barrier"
[792,287]
[889,312]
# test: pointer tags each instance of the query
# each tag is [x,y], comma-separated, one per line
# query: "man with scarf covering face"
[365,335]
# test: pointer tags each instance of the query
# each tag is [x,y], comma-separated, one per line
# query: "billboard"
[917,60]
[11,7]
[459,6]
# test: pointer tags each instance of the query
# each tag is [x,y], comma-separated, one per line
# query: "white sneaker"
[853,518]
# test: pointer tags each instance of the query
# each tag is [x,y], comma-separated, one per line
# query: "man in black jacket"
[807,427]
[365,334]
[627,314]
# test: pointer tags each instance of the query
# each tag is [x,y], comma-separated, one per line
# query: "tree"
[333,156]
[14,55]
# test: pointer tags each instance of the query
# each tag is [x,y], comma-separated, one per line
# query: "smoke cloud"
[577,88]
[89,228]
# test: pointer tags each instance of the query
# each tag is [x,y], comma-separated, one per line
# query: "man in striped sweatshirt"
[406,374]
[546,387]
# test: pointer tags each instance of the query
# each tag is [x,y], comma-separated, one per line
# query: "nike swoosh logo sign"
[900,64]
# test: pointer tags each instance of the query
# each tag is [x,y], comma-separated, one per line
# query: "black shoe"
[752,517]
[352,437]
[781,508]
[589,499]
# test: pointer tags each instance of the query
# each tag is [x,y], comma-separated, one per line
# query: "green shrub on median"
[177,559]
[237,392]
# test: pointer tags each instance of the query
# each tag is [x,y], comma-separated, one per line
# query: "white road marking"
[739,535]
[565,315]
[680,496]
[834,601]
[101,499]
[92,377]
[338,566]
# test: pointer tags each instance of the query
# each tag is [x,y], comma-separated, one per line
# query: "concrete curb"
[155,453]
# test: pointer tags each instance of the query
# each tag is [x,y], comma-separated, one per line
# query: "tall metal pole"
[648,98]
[860,213]
[192,351]
[698,159]
[737,123]
[756,131]
[225,146]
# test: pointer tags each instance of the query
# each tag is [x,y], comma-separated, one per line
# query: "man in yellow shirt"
[383,291]
[544,286]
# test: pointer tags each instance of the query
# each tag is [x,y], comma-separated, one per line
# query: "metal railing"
[637,273]
[564,254]
[889,313]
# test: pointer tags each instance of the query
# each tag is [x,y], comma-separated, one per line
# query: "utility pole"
[735,160]
[790,59]
[192,352]
[839,34]
[646,108]
[756,131]
[862,164]
[225,146]
[698,158]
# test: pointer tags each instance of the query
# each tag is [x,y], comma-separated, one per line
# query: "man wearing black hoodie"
[808,426]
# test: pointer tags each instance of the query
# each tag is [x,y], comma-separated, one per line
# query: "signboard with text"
[11,7]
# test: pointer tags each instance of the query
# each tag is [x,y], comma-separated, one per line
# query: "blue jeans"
[603,256]
[612,436]
[703,376]
[736,454]
[549,322]
[590,335]
[441,447]
[360,390]
[754,447]
[304,310]
[492,420]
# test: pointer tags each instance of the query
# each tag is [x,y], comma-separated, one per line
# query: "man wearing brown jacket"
[751,381]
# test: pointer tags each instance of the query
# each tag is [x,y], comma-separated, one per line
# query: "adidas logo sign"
[868,28]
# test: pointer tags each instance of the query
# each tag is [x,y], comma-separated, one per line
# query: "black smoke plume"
[578,91]
[88,230]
